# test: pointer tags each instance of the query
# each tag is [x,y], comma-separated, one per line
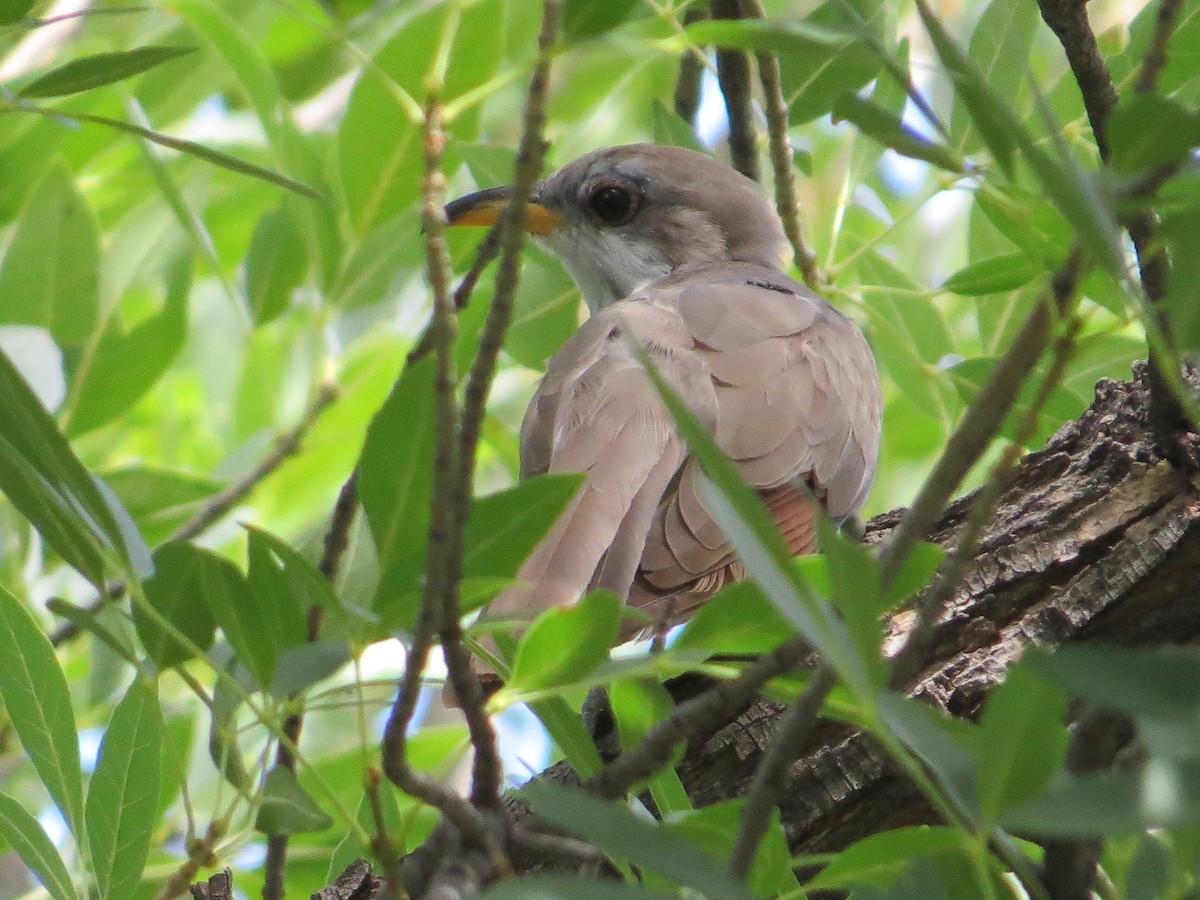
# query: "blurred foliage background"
[209,218]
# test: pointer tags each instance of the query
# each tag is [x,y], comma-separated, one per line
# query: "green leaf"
[122,803]
[1181,233]
[125,365]
[569,734]
[176,592]
[49,276]
[159,500]
[301,667]
[282,614]
[814,79]
[857,591]
[305,582]
[90,72]
[395,487]
[570,887]
[223,730]
[617,832]
[47,484]
[997,124]
[879,860]
[13,11]
[738,619]
[910,334]
[565,644]
[940,741]
[191,148]
[888,128]
[583,20]
[1153,684]
[382,178]
[545,311]
[1061,406]
[1105,804]
[991,276]
[504,527]
[1004,34]
[1146,132]
[246,623]
[24,836]
[1022,741]
[34,692]
[638,704]
[919,567]
[714,828]
[275,265]
[286,807]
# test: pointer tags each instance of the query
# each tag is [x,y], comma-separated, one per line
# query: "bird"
[680,259]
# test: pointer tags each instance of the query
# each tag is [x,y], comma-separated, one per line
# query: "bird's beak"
[483,209]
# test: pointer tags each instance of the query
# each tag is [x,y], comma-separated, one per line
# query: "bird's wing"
[786,384]
[798,411]
[596,412]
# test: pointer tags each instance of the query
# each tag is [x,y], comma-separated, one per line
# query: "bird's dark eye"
[612,205]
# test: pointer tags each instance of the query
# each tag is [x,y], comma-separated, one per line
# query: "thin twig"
[487,773]
[336,541]
[441,521]
[733,74]
[200,855]
[696,717]
[220,503]
[782,161]
[226,499]
[794,729]
[979,424]
[1155,59]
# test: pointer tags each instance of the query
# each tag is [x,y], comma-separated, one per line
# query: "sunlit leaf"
[395,485]
[122,802]
[890,130]
[90,72]
[25,837]
[34,692]
[562,645]
[176,593]
[46,482]
[49,274]
[287,808]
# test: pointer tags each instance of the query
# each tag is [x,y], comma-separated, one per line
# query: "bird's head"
[621,217]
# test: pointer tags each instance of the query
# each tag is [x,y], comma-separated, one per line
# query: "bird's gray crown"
[636,213]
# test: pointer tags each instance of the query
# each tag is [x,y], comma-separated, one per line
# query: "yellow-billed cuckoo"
[682,255]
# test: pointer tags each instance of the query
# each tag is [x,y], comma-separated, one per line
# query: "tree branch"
[782,162]
[733,74]
[1069,22]
[486,775]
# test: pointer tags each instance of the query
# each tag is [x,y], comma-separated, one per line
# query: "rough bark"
[1096,539]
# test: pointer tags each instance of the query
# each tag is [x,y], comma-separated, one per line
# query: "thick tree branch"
[1069,22]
